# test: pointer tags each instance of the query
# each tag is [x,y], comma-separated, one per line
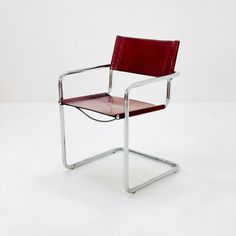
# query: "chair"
[153,58]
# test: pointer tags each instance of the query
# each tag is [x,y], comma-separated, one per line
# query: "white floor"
[39,197]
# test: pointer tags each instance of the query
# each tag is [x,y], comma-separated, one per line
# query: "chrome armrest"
[62,77]
[168,78]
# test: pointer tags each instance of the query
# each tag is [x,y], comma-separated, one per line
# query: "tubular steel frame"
[125,149]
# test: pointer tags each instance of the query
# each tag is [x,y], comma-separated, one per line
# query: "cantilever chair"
[153,58]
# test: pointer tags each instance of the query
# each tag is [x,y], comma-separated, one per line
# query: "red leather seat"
[110,105]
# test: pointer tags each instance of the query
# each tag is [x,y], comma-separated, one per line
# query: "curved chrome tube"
[126,133]
[63,76]
[151,80]
[126,149]
[83,70]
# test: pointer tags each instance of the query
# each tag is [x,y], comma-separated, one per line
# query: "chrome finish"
[63,76]
[152,80]
[125,149]
[126,143]
[83,70]
[110,80]
[175,167]
[63,144]
[168,92]
[63,138]
[60,90]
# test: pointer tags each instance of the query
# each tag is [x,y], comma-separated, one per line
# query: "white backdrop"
[40,39]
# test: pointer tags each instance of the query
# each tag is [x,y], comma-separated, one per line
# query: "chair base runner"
[174,169]
[126,151]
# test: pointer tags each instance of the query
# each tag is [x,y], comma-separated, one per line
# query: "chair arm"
[149,81]
[62,77]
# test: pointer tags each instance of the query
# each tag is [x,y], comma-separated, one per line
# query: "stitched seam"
[174,56]
[118,50]
[120,54]
[167,59]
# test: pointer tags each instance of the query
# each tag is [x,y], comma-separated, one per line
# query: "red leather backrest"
[144,56]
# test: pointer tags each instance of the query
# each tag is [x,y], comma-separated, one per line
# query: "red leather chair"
[153,58]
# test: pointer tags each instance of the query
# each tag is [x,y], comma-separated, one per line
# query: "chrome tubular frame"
[175,167]
[125,149]
[64,76]
[110,80]
[62,118]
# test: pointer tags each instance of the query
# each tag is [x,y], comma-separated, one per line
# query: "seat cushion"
[110,105]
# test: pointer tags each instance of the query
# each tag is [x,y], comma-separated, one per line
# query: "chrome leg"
[63,139]
[63,145]
[174,169]
[126,151]
[126,146]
